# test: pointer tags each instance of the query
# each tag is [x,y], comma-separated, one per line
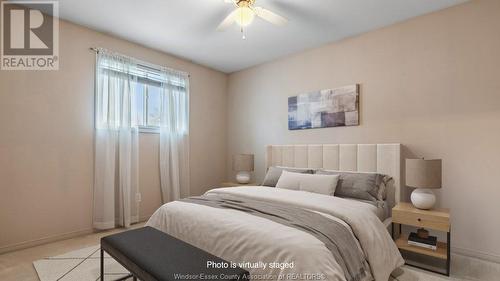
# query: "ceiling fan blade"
[227,21]
[270,16]
[231,2]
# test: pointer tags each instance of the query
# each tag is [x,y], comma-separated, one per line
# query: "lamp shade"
[422,173]
[243,162]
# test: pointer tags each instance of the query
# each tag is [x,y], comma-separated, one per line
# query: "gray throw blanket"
[336,237]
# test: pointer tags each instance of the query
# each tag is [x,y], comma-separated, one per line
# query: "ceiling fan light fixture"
[244,16]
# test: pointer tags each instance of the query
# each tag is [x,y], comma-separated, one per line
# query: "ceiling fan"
[245,13]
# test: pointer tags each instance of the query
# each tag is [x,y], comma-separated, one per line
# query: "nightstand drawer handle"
[419,219]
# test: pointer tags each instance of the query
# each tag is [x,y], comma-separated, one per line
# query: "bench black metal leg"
[102,264]
[134,279]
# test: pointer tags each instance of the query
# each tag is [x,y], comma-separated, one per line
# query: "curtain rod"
[145,63]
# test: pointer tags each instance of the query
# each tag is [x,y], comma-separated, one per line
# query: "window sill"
[149,130]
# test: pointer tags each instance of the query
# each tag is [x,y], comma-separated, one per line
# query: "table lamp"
[243,164]
[424,175]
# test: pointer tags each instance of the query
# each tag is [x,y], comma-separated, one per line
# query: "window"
[148,85]
[148,103]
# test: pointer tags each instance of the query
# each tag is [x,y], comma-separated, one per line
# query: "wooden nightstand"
[435,219]
[234,184]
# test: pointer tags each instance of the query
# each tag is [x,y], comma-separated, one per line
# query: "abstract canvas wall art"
[325,108]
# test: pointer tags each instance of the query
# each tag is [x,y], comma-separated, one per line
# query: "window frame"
[145,110]
[146,84]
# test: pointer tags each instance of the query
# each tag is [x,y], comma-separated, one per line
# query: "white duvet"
[244,238]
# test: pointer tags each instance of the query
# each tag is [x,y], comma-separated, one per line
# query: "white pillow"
[289,180]
[322,184]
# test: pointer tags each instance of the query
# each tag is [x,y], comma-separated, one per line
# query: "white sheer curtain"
[174,137]
[116,143]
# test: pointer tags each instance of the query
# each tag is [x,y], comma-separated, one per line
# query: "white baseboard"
[45,240]
[476,254]
[144,218]
[58,237]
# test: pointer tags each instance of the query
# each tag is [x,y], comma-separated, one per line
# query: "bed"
[281,234]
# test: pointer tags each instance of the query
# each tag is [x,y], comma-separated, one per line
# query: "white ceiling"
[186,28]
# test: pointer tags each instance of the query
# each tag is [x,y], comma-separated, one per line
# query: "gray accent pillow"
[364,186]
[273,174]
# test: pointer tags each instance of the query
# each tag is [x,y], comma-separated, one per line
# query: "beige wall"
[431,83]
[46,139]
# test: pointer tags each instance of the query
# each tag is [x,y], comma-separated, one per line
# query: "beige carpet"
[84,265]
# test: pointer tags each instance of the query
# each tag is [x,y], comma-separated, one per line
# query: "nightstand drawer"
[420,219]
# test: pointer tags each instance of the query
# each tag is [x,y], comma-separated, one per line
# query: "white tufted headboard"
[376,158]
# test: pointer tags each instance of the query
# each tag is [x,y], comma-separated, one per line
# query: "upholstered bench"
[151,255]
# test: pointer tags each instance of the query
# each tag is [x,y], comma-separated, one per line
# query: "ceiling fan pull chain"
[243,34]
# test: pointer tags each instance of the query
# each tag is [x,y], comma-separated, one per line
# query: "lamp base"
[423,198]
[243,177]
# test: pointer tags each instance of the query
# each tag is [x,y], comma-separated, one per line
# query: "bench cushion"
[150,254]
